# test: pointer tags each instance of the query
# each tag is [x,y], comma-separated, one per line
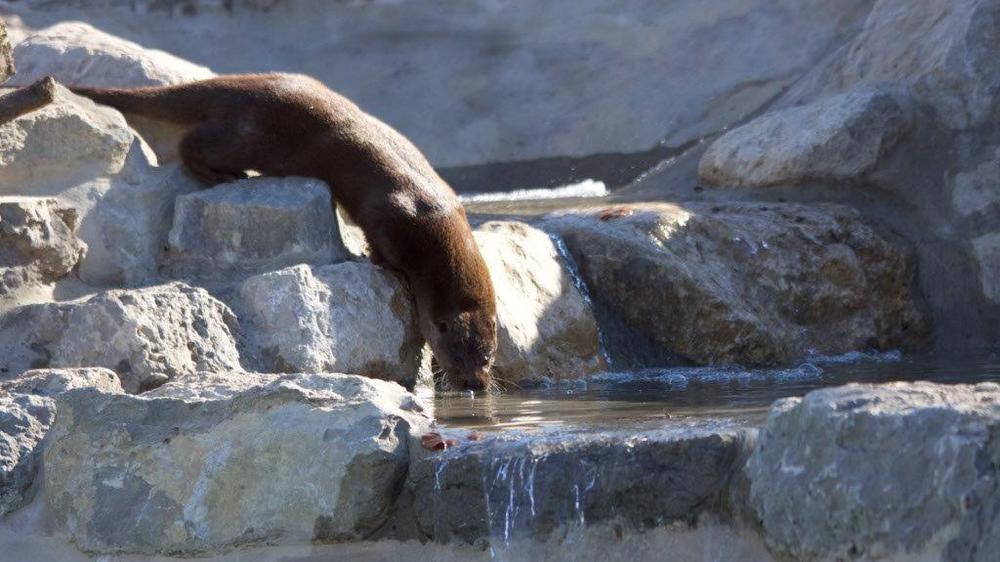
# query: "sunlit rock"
[38,245]
[6,60]
[840,138]
[52,382]
[874,472]
[350,317]
[297,459]
[24,420]
[746,283]
[546,330]
[147,336]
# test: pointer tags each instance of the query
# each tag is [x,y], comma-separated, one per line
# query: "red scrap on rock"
[433,441]
[616,213]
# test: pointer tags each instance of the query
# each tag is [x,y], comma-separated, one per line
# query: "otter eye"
[442,327]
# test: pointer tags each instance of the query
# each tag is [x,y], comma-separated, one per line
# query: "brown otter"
[293,125]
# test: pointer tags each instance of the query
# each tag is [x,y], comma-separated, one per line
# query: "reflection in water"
[649,398]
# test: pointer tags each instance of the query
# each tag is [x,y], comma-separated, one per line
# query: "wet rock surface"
[301,458]
[744,283]
[876,472]
[38,243]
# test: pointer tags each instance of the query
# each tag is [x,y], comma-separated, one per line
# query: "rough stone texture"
[304,457]
[546,329]
[24,419]
[871,472]
[978,190]
[944,50]
[147,336]
[6,60]
[52,382]
[87,157]
[503,488]
[350,317]
[747,283]
[986,250]
[37,242]
[840,138]
[252,226]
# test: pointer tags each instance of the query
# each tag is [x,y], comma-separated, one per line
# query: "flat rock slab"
[837,139]
[38,244]
[147,336]
[24,420]
[53,382]
[252,226]
[746,283]
[291,459]
[505,487]
[876,471]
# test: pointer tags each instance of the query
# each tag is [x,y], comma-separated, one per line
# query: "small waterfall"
[581,285]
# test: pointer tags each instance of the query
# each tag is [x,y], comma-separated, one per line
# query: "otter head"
[464,343]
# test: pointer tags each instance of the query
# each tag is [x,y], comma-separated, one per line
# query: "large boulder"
[252,226]
[943,50]
[295,459]
[147,336]
[24,420]
[52,382]
[38,245]
[986,252]
[746,283]
[895,471]
[546,329]
[838,139]
[86,156]
[351,317]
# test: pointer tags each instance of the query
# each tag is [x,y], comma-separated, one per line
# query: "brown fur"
[292,125]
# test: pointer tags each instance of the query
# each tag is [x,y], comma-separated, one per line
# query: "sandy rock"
[986,251]
[252,226]
[745,283]
[349,317]
[6,60]
[840,138]
[147,336]
[52,382]
[978,190]
[943,50]
[875,472]
[38,245]
[24,420]
[546,330]
[302,458]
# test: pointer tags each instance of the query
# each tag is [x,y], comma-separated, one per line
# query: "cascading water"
[581,285]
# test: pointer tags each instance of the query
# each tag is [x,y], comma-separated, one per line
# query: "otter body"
[293,125]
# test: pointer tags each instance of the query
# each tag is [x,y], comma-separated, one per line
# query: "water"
[661,397]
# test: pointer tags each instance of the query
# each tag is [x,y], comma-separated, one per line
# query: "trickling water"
[581,285]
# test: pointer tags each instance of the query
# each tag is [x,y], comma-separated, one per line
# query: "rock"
[302,458]
[147,336]
[37,242]
[837,139]
[986,250]
[78,54]
[502,487]
[24,420]
[252,226]
[891,471]
[6,59]
[52,382]
[546,330]
[85,156]
[746,283]
[978,190]
[943,50]
[350,317]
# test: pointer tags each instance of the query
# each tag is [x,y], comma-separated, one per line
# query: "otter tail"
[180,104]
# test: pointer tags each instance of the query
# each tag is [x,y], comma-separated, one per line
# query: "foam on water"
[585,188]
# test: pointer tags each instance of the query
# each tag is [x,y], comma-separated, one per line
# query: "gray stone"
[943,50]
[546,330]
[38,245]
[978,190]
[986,251]
[350,317]
[6,59]
[52,382]
[301,458]
[252,226]
[894,471]
[746,283]
[839,139]
[508,487]
[24,420]
[147,336]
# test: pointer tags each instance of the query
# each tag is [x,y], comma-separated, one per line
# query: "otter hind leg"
[214,154]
